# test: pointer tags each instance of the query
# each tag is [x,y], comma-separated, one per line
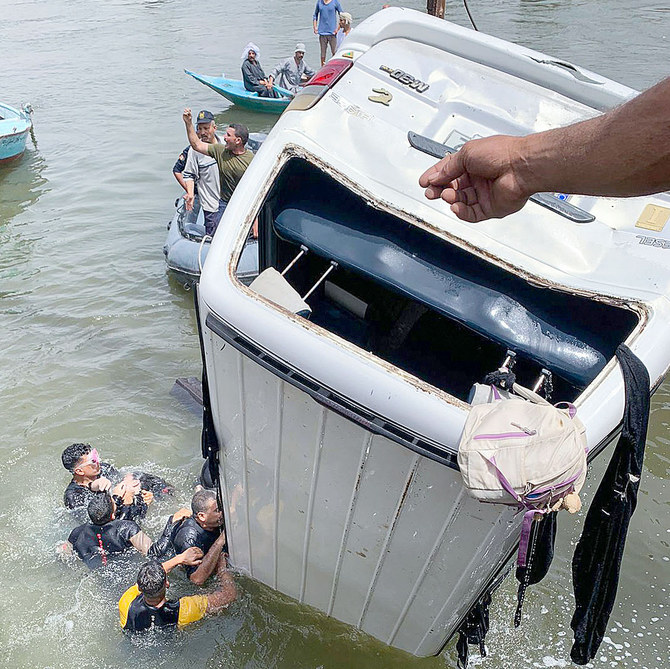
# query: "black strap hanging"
[473,630]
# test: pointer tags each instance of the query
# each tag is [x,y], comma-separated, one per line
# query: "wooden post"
[435,8]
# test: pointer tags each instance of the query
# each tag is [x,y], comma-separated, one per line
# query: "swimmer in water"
[91,475]
[104,537]
[204,530]
[144,605]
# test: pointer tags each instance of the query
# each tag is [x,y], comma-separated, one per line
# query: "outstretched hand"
[188,118]
[480,181]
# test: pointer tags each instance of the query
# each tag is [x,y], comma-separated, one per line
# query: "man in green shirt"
[231,155]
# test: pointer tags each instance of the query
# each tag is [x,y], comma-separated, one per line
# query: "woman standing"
[345,28]
[326,25]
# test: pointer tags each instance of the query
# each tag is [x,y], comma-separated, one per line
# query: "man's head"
[152,580]
[81,460]
[206,127]
[345,20]
[206,509]
[236,137]
[299,53]
[251,55]
[101,508]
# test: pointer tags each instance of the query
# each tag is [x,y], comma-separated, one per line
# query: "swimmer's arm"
[65,550]
[208,564]
[191,556]
[141,541]
[225,593]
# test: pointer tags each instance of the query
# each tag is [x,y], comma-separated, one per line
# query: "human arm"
[180,180]
[225,593]
[622,153]
[190,557]
[141,541]
[315,18]
[208,564]
[164,544]
[193,139]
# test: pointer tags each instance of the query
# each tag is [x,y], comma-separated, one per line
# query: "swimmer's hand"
[64,550]
[181,514]
[101,485]
[191,556]
[147,496]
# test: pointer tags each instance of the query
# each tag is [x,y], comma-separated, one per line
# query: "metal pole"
[435,8]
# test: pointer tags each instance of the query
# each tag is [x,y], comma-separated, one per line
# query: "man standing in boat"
[231,156]
[201,170]
[292,73]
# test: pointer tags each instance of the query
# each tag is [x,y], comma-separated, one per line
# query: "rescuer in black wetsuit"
[90,475]
[144,605]
[105,537]
[204,530]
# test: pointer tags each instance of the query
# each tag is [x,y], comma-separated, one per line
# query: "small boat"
[14,128]
[233,90]
[340,380]
[186,247]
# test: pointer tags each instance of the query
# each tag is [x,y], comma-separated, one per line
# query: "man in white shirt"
[203,170]
[292,73]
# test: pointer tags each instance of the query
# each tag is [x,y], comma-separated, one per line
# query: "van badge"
[383,98]
[406,79]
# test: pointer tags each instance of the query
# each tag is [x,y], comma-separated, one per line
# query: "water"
[94,332]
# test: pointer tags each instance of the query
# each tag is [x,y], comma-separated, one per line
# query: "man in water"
[292,73]
[204,531]
[232,156]
[144,606]
[104,537]
[201,171]
[91,475]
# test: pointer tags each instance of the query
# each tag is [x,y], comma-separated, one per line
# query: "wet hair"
[101,508]
[202,500]
[73,454]
[151,578]
[241,131]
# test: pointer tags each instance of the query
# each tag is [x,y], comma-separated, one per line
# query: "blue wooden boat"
[233,90]
[14,128]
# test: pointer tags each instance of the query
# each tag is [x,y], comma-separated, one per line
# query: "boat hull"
[233,90]
[14,128]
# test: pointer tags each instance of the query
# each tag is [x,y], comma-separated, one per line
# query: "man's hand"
[188,201]
[101,485]
[181,514]
[191,557]
[188,119]
[482,180]
[147,496]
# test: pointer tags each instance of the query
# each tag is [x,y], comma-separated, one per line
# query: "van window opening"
[420,303]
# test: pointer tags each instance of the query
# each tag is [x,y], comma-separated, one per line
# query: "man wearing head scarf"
[345,29]
[252,73]
[292,72]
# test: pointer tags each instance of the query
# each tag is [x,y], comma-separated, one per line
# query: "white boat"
[339,410]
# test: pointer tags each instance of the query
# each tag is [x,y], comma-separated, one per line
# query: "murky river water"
[94,332]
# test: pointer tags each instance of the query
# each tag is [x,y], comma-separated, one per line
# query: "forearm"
[193,139]
[208,564]
[170,564]
[226,591]
[180,180]
[142,542]
[624,152]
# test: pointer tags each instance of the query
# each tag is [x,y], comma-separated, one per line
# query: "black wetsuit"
[96,543]
[79,495]
[135,615]
[191,534]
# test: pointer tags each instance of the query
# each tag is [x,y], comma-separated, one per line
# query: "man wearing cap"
[231,156]
[201,169]
[292,73]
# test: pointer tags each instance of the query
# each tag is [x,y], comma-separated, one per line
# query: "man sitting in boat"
[252,73]
[231,156]
[204,531]
[201,170]
[90,475]
[105,537]
[144,605]
[292,73]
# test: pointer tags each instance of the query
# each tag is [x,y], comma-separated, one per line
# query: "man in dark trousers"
[204,531]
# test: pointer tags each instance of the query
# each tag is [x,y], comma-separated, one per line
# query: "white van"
[339,388]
